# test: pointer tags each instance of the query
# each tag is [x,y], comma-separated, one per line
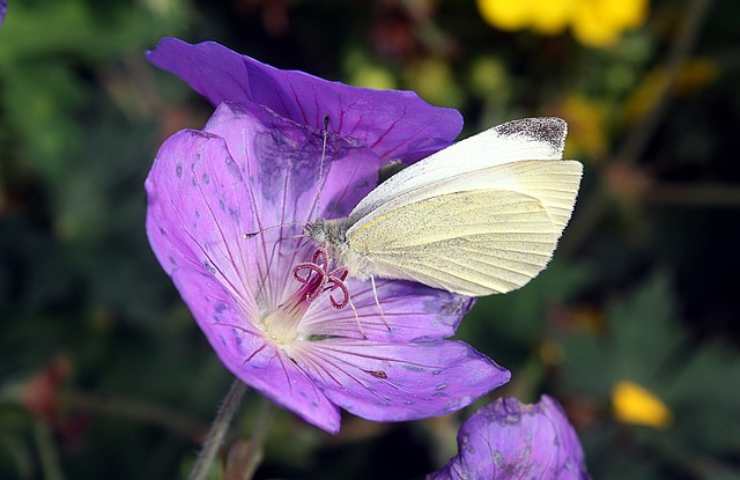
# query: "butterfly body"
[332,236]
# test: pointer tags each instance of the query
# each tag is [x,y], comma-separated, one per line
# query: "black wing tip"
[551,130]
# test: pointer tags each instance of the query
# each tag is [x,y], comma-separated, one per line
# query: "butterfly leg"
[377,302]
[357,319]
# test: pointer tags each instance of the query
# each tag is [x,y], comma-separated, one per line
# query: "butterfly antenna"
[263,230]
[377,302]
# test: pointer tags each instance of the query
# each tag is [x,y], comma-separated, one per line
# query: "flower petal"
[199,210]
[283,162]
[208,192]
[393,382]
[394,124]
[507,439]
[196,237]
[3,10]
[244,351]
[410,312]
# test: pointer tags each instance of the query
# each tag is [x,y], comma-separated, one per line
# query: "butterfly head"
[330,234]
[316,231]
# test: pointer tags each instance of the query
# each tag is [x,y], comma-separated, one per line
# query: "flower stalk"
[218,430]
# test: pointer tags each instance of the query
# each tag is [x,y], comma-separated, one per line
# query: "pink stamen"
[336,279]
[319,279]
[312,287]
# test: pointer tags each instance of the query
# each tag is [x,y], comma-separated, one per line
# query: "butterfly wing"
[472,243]
[554,183]
[477,233]
[527,139]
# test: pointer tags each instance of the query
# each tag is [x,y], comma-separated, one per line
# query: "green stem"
[246,456]
[47,451]
[258,438]
[218,430]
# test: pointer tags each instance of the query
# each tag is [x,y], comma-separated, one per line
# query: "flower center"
[315,278]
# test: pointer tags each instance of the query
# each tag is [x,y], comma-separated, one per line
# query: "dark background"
[103,374]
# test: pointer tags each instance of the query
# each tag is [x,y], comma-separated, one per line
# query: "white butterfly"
[482,216]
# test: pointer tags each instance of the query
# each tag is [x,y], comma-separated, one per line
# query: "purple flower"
[3,10]
[509,440]
[266,299]
[395,125]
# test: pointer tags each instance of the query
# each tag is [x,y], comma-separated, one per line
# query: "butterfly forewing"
[554,184]
[526,139]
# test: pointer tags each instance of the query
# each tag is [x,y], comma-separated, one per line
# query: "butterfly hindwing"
[473,243]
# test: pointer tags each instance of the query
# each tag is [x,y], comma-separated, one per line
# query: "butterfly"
[480,217]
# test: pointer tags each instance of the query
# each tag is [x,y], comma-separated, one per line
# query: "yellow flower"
[593,28]
[506,14]
[587,125]
[636,405]
[624,13]
[597,23]
[551,17]
[600,23]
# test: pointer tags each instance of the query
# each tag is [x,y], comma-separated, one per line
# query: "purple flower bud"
[509,440]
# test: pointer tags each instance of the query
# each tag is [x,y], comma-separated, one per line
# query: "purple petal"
[198,207]
[244,351]
[3,10]
[282,159]
[410,312]
[207,200]
[197,239]
[394,124]
[507,439]
[393,382]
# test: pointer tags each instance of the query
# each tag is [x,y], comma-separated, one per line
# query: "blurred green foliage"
[104,374]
